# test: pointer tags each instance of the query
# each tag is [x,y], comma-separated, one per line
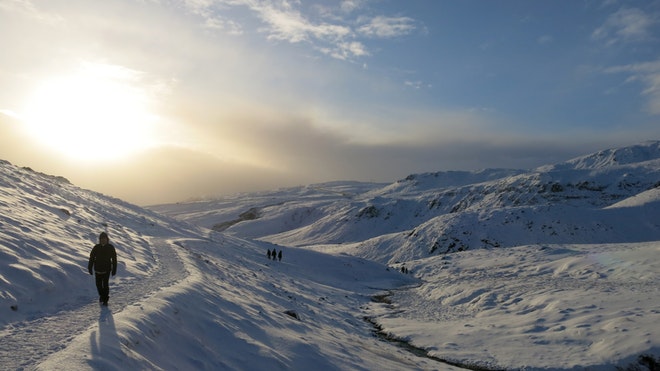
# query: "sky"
[158,101]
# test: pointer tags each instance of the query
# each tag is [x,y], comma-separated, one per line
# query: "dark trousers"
[103,286]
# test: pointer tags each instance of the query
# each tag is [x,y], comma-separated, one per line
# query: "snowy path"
[23,345]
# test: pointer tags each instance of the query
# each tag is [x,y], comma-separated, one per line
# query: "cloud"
[632,25]
[26,8]
[330,31]
[386,27]
[290,25]
[157,175]
[647,73]
[348,6]
[289,150]
[625,25]
[346,50]
[545,39]
[607,3]
[300,150]
[283,21]
[220,23]
[169,174]
[415,84]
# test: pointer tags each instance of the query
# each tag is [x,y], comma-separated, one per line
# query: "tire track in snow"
[24,345]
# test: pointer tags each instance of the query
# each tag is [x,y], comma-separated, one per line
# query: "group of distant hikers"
[274,255]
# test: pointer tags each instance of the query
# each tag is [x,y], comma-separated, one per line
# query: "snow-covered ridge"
[418,183]
[647,151]
[434,213]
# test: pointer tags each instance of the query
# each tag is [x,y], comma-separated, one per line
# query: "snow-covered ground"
[554,307]
[182,298]
[198,292]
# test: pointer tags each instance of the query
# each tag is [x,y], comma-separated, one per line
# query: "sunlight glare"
[99,113]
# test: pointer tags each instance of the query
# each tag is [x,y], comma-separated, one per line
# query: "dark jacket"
[103,259]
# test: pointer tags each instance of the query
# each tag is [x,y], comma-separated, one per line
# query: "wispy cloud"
[28,9]
[636,27]
[545,39]
[386,27]
[647,73]
[220,23]
[348,6]
[625,25]
[331,31]
[415,84]
[346,50]
[290,25]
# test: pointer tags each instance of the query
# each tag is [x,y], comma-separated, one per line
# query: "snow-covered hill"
[593,222]
[550,269]
[47,226]
[435,213]
[182,299]
[614,157]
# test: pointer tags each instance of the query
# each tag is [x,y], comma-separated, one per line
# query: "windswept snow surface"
[535,307]
[559,270]
[235,311]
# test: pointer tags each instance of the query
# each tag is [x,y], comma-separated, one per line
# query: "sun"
[99,113]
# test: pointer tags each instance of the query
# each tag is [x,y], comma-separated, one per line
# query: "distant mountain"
[436,213]
[647,151]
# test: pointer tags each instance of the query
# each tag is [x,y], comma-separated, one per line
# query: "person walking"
[103,262]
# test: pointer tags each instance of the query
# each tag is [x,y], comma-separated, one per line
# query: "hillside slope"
[183,297]
[553,268]
[436,213]
[47,229]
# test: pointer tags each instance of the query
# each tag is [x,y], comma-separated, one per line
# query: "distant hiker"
[103,262]
[268,254]
[279,255]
